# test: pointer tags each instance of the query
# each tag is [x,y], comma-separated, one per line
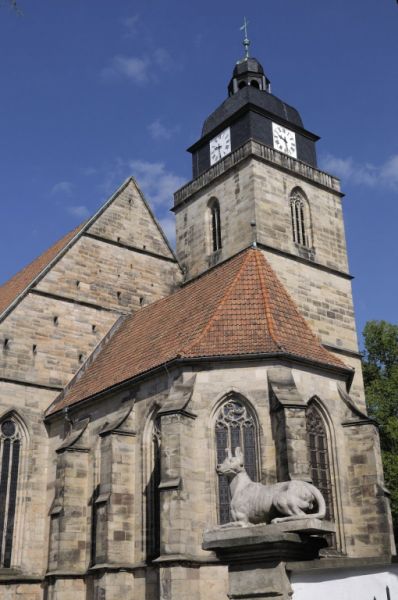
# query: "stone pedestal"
[256,555]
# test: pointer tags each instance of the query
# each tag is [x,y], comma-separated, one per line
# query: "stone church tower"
[127,372]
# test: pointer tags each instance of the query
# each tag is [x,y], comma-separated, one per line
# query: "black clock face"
[284,140]
[220,146]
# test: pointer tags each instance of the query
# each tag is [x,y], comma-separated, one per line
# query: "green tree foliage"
[380,367]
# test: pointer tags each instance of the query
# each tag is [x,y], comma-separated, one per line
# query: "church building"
[129,372]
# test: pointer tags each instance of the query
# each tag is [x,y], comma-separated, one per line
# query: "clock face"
[284,140]
[220,146]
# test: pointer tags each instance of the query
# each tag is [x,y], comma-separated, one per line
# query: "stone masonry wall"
[235,192]
[189,480]
[129,221]
[121,264]
[254,191]
[324,222]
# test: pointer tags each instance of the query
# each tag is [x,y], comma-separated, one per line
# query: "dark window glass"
[9,465]
[8,428]
[215,225]
[319,461]
[152,496]
[235,426]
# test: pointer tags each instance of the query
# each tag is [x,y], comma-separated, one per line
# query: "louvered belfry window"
[10,445]
[299,225]
[235,426]
[319,457]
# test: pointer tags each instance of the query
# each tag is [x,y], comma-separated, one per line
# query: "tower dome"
[248,71]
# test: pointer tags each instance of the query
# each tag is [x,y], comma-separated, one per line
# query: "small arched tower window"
[299,211]
[235,426]
[215,224]
[319,457]
[10,450]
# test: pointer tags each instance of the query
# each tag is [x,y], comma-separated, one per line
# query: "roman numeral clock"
[284,140]
[220,146]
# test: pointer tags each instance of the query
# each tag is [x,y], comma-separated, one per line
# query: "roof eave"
[346,372]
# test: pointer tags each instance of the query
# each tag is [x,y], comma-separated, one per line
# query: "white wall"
[353,584]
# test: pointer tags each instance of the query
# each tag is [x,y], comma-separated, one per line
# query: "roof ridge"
[219,305]
[265,297]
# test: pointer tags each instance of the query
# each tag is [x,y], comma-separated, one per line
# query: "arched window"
[319,457]
[254,83]
[152,441]
[235,426]
[10,450]
[215,224]
[300,221]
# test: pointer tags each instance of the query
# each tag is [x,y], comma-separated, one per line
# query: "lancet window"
[319,457]
[300,224]
[235,427]
[215,224]
[152,533]
[10,450]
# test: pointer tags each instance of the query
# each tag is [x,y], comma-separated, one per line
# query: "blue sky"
[93,91]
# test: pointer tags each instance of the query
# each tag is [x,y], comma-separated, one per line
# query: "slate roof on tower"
[238,309]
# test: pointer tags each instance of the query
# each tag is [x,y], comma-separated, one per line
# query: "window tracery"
[319,457]
[300,224]
[10,449]
[235,426]
[215,222]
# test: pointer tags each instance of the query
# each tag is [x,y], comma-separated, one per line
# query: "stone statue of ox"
[253,502]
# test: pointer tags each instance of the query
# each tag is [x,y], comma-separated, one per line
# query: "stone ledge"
[301,538]
[265,153]
[16,576]
[221,537]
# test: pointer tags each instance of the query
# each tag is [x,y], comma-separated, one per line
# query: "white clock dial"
[284,140]
[220,146]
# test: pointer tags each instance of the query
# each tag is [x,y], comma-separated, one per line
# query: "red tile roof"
[11,289]
[239,308]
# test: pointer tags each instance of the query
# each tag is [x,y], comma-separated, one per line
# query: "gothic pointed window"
[152,516]
[215,224]
[319,457]
[300,218]
[10,450]
[235,426]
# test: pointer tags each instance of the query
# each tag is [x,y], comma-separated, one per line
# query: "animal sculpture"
[253,502]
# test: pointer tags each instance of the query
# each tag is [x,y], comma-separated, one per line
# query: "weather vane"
[246,41]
